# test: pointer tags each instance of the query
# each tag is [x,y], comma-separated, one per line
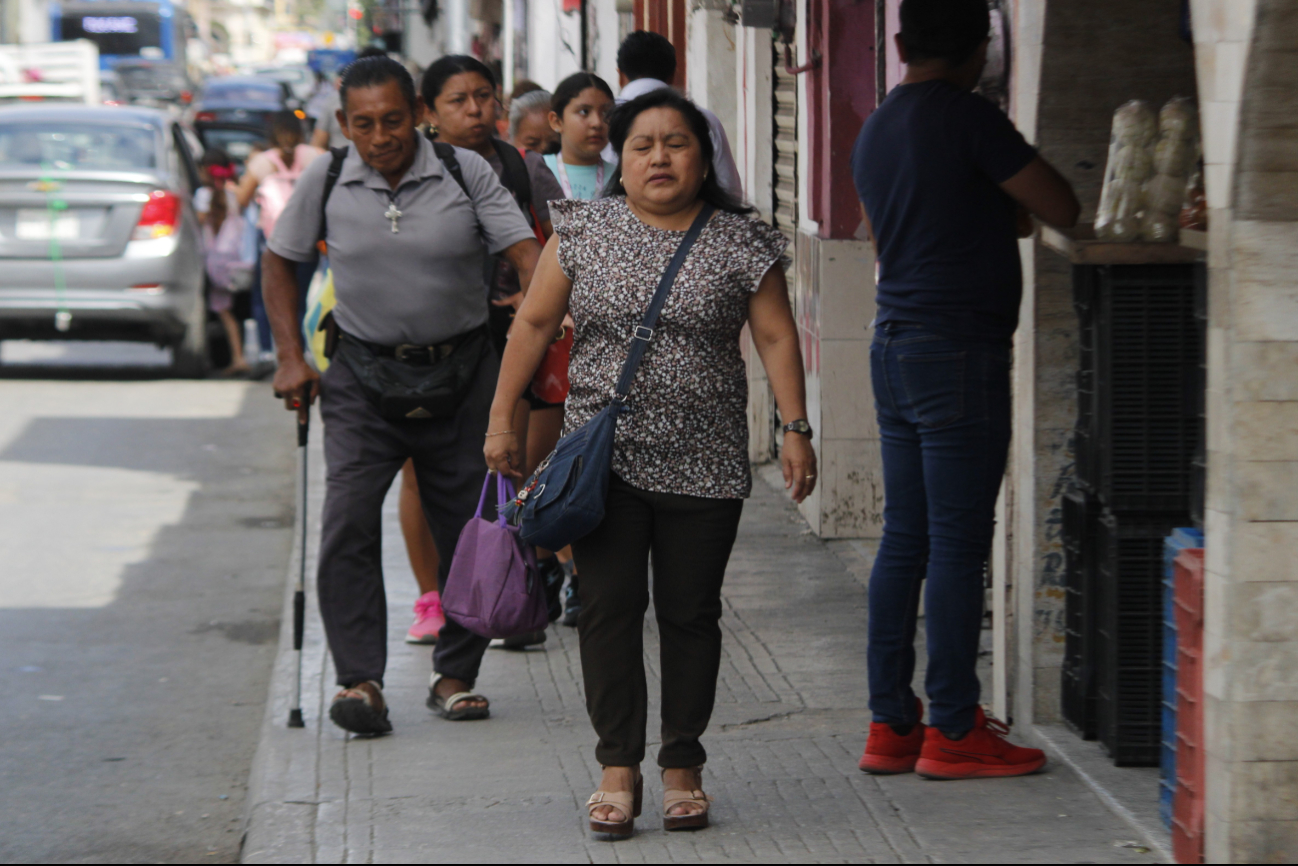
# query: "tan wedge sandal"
[673,797]
[626,802]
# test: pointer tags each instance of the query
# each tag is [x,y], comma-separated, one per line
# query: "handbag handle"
[644,333]
[504,493]
[482,500]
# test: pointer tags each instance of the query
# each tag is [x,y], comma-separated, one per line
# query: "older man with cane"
[406,223]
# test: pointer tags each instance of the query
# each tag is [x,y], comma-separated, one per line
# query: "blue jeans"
[944,420]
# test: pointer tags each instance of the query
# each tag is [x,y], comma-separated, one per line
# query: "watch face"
[798,427]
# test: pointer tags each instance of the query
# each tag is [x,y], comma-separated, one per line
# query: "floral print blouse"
[686,431]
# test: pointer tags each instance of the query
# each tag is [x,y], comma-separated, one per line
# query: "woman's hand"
[798,460]
[503,455]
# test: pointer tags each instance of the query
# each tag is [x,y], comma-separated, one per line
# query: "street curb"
[1152,837]
[280,811]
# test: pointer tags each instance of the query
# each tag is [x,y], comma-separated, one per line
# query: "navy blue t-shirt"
[926,166]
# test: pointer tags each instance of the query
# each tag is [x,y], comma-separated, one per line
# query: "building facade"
[793,98]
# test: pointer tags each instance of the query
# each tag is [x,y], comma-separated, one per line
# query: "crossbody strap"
[644,333]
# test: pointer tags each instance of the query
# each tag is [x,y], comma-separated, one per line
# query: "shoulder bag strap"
[644,333]
[331,180]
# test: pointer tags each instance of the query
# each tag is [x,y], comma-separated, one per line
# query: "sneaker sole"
[881,765]
[945,772]
[426,640]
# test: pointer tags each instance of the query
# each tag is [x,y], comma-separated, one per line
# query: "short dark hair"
[622,117]
[373,71]
[285,121]
[371,51]
[522,86]
[644,54]
[446,68]
[572,86]
[215,156]
[947,30]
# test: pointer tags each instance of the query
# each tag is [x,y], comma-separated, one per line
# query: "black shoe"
[571,598]
[552,573]
[520,641]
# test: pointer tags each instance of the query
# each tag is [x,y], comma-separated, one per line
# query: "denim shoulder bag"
[564,499]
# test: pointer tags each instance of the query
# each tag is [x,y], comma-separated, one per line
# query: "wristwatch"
[798,426]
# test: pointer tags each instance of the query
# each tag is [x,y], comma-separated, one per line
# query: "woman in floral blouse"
[680,463]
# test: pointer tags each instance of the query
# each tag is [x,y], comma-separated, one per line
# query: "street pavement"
[786,735]
[145,528]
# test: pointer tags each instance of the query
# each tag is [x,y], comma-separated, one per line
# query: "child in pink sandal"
[424,561]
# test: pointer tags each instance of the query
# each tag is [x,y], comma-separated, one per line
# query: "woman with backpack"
[460,96]
[268,181]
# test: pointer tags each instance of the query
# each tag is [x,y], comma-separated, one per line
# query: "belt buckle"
[405,350]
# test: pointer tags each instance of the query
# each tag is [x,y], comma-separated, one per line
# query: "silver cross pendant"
[392,213]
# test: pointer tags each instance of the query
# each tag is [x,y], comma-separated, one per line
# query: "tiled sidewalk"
[787,732]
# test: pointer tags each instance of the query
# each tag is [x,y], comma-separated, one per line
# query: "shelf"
[1080,246]
[1194,239]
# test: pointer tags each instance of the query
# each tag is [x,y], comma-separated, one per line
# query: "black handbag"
[564,499]
[402,388]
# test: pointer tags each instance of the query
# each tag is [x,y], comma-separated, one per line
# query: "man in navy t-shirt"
[947,186]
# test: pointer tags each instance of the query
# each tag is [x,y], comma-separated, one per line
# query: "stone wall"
[1249,86]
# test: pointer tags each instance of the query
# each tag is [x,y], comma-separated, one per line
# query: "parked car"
[98,238]
[155,82]
[111,89]
[299,78]
[243,100]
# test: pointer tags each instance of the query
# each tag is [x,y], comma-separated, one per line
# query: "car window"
[244,92]
[237,142]
[70,146]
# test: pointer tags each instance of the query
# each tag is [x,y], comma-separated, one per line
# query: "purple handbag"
[494,588]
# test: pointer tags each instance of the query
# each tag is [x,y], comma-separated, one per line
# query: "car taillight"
[159,216]
[187,97]
[205,115]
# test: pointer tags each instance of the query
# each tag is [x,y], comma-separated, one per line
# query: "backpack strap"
[644,333]
[516,178]
[331,180]
[446,154]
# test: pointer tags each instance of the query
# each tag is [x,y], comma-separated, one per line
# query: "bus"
[125,29]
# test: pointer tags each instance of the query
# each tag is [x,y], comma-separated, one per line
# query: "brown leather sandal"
[626,802]
[673,797]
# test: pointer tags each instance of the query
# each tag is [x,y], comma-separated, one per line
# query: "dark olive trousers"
[363,453]
[690,539]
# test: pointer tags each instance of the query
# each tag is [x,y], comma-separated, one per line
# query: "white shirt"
[722,161]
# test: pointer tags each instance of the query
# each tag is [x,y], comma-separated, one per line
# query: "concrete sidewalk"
[787,732]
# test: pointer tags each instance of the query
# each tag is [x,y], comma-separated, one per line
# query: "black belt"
[413,353]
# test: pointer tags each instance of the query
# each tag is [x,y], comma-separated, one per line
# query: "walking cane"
[299,594]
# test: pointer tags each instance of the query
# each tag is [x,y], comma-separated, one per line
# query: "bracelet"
[501,433]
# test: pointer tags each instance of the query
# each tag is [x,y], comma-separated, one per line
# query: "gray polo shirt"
[422,284]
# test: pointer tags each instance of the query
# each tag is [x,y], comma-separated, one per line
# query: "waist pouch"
[405,390]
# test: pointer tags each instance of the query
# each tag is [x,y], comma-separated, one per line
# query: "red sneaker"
[887,753]
[978,754]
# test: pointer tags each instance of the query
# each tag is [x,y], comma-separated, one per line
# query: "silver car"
[98,237]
